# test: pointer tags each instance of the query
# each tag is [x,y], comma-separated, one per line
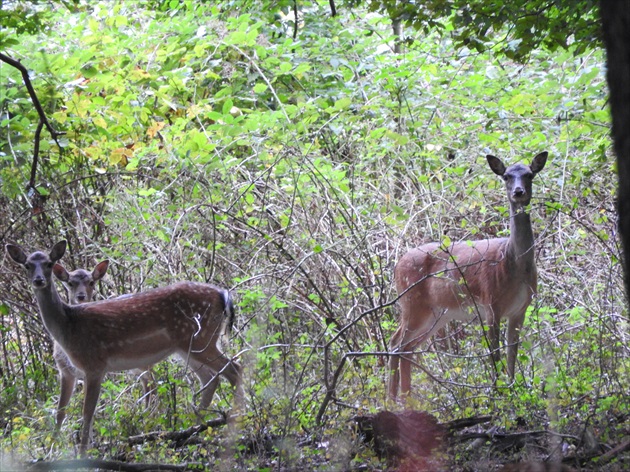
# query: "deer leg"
[513,334]
[148,384]
[394,376]
[68,380]
[410,340]
[493,334]
[405,367]
[208,379]
[232,372]
[405,375]
[92,391]
[394,363]
[213,362]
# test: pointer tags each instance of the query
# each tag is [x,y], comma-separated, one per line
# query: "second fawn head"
[80,283]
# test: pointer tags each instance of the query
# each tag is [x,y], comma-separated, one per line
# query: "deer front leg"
[148,384]
[92,391]
[68,380]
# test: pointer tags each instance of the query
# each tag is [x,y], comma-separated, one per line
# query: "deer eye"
[92,283]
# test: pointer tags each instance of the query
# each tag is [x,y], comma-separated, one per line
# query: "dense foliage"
[207,144]
[524,25]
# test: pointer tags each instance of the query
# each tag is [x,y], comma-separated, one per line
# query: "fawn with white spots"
[80,284]
[134,331]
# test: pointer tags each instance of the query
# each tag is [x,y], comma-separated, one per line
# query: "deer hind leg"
[406,340]
[403,340]
[209,382]
[513,333]
[211,363]
[394,376]
[394,362]
[493,334]
[405,374]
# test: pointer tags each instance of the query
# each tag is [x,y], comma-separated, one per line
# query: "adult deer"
[133,331]
[80,285]
[489,279]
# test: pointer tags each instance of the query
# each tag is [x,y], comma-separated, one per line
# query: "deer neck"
[54,312]
[521,242]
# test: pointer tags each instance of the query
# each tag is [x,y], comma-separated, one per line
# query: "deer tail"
[228,309]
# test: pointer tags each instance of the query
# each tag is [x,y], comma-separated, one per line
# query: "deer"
[488,280]
[130,332]
[80,285]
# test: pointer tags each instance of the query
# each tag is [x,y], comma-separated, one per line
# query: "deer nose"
[81,296]
[519,192]
[39,282]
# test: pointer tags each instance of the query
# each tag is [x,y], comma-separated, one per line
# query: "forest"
[290,153]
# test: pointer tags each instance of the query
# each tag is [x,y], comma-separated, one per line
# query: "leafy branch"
[43,120]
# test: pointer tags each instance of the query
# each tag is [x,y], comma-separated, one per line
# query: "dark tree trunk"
[397,27]
[615,16]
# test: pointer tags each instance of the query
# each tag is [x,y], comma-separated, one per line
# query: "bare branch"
[105,465]
[178,435]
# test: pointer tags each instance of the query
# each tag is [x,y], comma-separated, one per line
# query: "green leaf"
[343,103]
[227,106]
[260,88]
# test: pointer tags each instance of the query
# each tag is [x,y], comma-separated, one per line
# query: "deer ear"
[496,165]
[99,271]
[15,253]
[538,163]
[58,250]
[60,272]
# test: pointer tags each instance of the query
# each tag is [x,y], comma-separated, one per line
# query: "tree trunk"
[615,17]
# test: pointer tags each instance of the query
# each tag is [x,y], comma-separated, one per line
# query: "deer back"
[141,329]
[466,277]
